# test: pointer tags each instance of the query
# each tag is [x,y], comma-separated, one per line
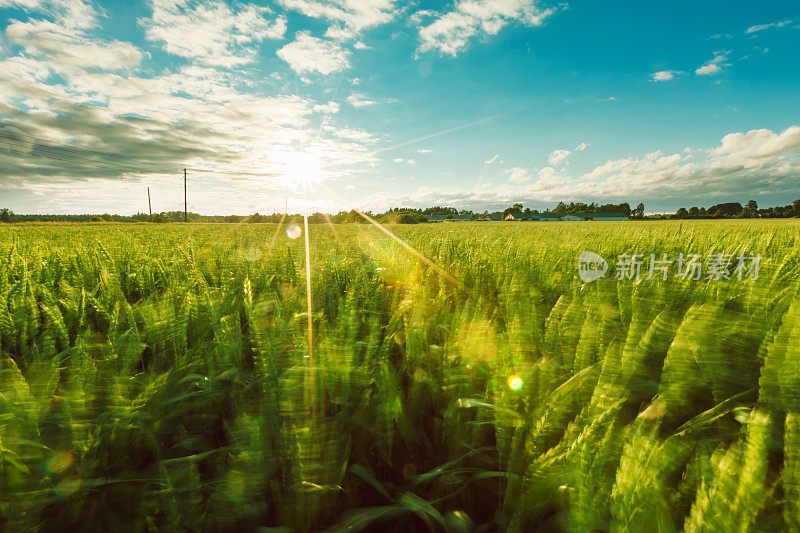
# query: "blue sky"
[369,104]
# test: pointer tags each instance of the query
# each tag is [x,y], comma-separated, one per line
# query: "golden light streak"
[308,294]
[275,235]
[335,231]
[404,244]
[419,255]
[309,309]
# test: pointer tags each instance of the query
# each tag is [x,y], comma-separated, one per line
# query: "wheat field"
[162,378]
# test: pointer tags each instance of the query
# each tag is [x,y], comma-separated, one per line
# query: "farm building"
[541,217]
[595,216]
[442,218]
[552,217]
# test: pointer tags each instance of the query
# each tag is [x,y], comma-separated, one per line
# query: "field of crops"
[162,377]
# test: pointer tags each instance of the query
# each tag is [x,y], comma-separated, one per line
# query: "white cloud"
[331,108]
[743,165]
[360,100]
[558,157]
[67,49]
[358,136]
[754,148]
[398,160]
[492,159]
[201,117]
[349,17]
[665,75]
[211,31]
[417,17]
[582,146]
[70,14]
[311,54]
[714,65]
[519,175]
[549,178]
[761,27]
[451,32]
[424,151]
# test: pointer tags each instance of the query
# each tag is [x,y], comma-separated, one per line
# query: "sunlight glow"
[301,169]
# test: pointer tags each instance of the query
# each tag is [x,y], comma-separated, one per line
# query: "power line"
[72,155]
[12,135]
[11,142]
[80,163]
[63,157]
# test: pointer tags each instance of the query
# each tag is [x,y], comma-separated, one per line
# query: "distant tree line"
[410,215]
[736,210]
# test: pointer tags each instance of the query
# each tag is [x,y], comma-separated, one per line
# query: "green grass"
[157,378]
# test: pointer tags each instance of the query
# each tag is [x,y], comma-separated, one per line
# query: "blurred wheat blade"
[155,378]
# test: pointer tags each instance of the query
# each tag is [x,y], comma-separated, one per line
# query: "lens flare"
[515,383]
[293,231]
[253,254]
[58,463]
[68,486]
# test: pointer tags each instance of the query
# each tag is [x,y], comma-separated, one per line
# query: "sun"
[301,169]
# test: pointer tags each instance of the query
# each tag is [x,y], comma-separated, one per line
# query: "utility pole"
[185,204]
[149,205]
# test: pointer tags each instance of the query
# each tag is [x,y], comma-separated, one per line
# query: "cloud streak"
[761,27]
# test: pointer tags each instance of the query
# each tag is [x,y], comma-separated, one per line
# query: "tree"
[513,210]
[694,211]
[796,208]
[750,210]
[639,211]
[409,218]
[6,215]
[681,213]
[730,209]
